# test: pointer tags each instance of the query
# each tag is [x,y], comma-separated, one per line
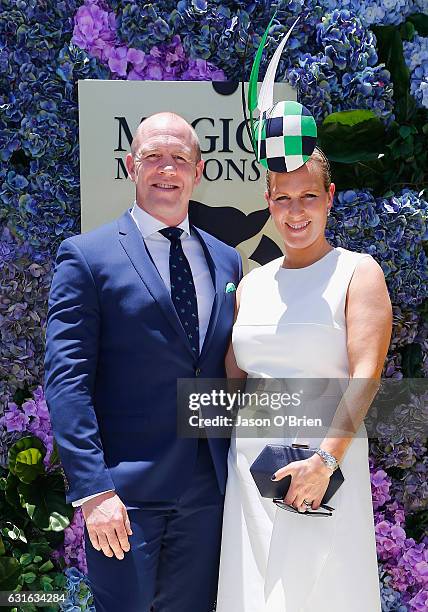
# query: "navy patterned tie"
[183,292]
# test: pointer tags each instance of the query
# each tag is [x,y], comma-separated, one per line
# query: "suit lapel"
[211,256]
[134,246]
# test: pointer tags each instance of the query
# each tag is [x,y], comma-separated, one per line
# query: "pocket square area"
[230,287]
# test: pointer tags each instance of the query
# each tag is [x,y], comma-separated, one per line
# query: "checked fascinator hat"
[284,135]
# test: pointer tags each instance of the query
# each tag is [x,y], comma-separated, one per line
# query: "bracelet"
[330,461]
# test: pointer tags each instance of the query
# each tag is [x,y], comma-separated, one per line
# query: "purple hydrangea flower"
[381,484]
[94,30]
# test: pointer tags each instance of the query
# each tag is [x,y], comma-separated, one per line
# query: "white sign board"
[233,184]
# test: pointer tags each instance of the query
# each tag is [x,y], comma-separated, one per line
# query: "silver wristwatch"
[328,459]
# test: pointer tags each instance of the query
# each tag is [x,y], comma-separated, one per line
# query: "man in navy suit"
[117,341]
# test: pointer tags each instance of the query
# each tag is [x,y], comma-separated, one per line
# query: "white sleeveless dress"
[291,324]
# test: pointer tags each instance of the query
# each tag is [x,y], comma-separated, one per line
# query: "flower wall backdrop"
[367,58]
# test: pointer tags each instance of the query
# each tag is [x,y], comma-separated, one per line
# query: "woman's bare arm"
[232,369]
[369,326]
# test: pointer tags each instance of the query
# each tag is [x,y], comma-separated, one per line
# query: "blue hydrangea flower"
[79,597]
[375,12]
[416,56]
[393,231]
[346,42]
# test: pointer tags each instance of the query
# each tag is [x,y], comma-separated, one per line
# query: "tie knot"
[172,233]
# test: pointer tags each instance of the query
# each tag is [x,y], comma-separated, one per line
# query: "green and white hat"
[284,135]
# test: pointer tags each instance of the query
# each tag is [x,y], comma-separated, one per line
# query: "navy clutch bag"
[274,457]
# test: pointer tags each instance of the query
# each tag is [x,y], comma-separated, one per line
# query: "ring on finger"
[307,503]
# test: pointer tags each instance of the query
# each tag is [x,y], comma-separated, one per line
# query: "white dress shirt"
[158,247]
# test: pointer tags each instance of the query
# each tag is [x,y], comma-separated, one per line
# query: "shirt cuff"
[79,502]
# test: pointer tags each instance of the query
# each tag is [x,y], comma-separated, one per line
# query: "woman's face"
[299,203]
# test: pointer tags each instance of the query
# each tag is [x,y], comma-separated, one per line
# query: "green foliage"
[350,136]
[45,503]
[10,572]
[33,516]
[366,155]
[26,458]
[420,22]
[405,154]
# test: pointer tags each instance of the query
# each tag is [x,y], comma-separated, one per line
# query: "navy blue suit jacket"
[115,348]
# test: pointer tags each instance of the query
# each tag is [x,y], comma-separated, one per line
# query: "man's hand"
[108,524]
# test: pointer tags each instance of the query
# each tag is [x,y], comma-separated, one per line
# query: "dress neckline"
[323,258]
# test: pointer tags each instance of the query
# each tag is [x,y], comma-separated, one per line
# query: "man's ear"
[199,171]
[267,198]
[130,166]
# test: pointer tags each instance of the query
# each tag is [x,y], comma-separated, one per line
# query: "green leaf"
[407,31]
[350,117]
[401,149]
[29,465]
[26,458]
[26,559]
[60,581]
[10,572]
[11,531]
[46,567]
[46,583]
[40,549]
[420,21]
[11,493]
[351,136]
[2,548]
[29,577]
[44,501]
[37,559]
[406,130]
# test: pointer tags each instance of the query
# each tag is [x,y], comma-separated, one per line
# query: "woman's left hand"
[309,481]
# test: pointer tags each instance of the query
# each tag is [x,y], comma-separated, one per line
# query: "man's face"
[164,168]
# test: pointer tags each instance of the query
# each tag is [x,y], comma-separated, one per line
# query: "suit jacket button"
[197,371]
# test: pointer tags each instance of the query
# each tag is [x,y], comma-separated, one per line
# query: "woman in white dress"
[318,312]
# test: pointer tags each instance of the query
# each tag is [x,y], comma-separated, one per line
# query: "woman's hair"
[317,157]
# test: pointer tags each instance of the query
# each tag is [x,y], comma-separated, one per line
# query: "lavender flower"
[94,30]
[381,484]
[14,419]
[31,418]
[118,60]
[72,551]
[389,539]
[168,62]
[420,601]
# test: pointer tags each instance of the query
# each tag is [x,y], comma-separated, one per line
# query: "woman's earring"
[328,212]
